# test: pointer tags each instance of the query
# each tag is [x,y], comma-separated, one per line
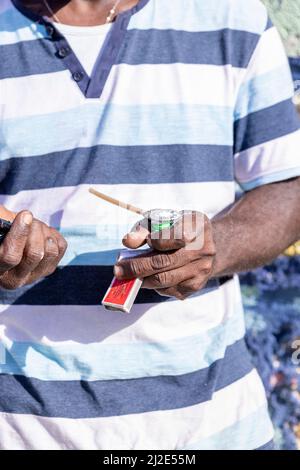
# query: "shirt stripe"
[154,118]
[155,47]
[247,433]
[152,323]
[153,164]
[254,129]
[266,159]
[125,361]
[64,206]
[254,95]
[218,14]
[65,287]
[178,427]
[141,85]
[79,399]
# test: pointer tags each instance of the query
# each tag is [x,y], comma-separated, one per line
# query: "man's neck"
[77,12]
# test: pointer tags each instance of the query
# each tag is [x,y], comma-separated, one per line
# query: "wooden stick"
[116,202]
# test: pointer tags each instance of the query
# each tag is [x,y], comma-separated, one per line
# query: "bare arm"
[257,228]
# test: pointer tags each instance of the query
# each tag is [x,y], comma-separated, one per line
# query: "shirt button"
[63,52]
[77,76]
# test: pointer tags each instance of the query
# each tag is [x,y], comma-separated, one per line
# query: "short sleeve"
[266,124]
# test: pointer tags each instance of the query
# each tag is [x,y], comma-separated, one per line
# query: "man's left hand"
[180,261]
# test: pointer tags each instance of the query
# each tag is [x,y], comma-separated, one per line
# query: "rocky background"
[272,293]
[285,14]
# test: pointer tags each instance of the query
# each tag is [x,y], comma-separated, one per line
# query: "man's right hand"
[31,250]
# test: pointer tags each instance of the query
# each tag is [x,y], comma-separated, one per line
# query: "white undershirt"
[86,42]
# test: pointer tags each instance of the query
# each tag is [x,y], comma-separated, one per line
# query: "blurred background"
[272,294]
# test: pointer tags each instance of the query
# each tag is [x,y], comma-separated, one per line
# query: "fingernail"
[118,271]
[27,218]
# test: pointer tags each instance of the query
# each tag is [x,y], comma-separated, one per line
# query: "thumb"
[136,237]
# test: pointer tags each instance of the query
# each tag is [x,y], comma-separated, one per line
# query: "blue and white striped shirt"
[185,99]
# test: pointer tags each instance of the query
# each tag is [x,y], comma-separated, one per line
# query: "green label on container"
[155,227]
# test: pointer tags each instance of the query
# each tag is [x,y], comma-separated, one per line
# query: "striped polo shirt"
[186,99]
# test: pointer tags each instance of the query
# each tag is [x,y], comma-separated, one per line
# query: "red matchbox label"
[119,291]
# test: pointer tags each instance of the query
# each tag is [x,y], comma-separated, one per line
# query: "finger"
[12,248]
[61,242]
[173,277]
[152,263]
[170,292]
[185,289]
[137,236]
[52,255]
[200,270]
[33,253]
[49,262]
[192,286]
[189,228]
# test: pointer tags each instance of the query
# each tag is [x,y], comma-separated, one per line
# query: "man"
[162,104]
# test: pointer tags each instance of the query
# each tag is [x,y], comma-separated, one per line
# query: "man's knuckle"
[51,251]
[160,278]
[11,257]
[34,255]
[207,265]
[180,296]
[189,254]
[192,286]
[206,272]
[160,261]
[156,279]
[171,278]
[211,248]
[20,232]
[198,284]
[135,268]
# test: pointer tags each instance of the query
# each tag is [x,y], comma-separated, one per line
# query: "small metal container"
[160,219]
